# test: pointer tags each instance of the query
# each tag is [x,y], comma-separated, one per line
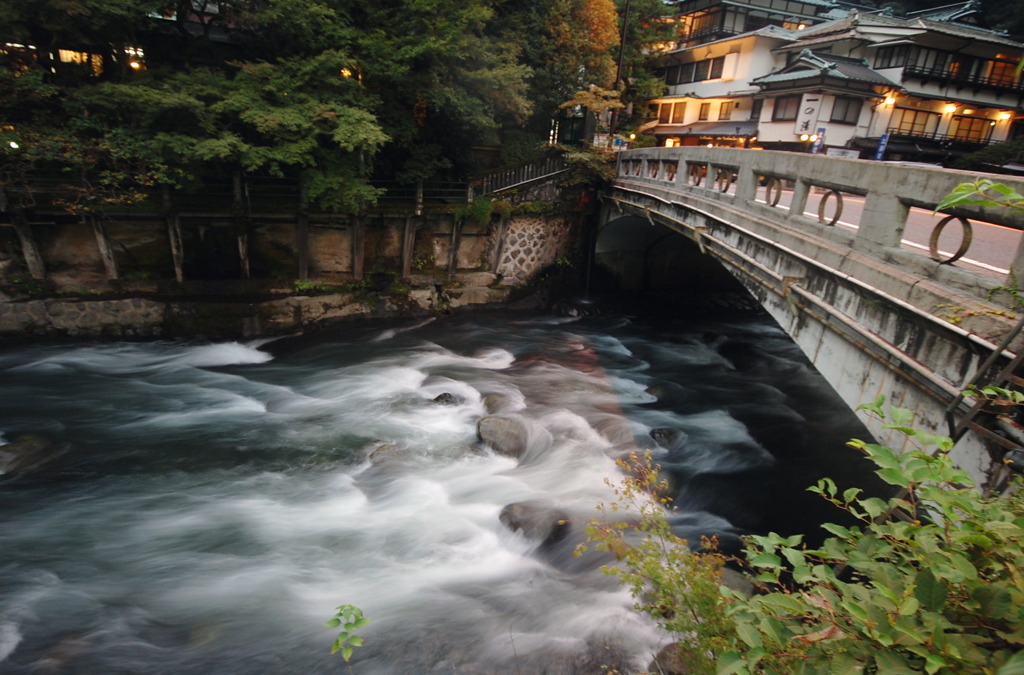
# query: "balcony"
[1003,83]
[962,142]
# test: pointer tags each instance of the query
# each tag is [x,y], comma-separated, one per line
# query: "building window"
[705,111]
[786,108]
[755,108]
[1002,73]
[846,110]
[678,112]
[910,122]
[696,71]
[725,110]
[891,57]
[973,129]
[91,62]
[664,113]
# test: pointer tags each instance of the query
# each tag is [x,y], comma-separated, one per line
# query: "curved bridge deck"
[875,316]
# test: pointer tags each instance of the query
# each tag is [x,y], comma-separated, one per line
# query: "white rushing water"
[203,508]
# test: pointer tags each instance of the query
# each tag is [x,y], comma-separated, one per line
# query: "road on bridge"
[992,249]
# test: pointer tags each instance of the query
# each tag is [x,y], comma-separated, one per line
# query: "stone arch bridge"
[827,246]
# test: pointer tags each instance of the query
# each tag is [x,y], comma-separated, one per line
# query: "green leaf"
[749,634]
[346,653]
[929,591]
[1015,666]
[332,623]
[891,663]
[844,663]
[934,663]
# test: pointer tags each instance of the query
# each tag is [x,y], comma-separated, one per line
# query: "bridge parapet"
[755,181]
[874,317]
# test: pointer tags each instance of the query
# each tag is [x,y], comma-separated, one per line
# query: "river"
[205,507]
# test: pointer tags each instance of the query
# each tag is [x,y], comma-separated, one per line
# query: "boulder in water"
[670,661]
[668,437]
[495,403]
[537,520]
[505,436]
[27,451]
[446,399]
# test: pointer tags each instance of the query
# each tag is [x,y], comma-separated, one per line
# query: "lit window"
[94,62]
[705,111]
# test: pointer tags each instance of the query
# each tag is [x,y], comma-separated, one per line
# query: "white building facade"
[928,87]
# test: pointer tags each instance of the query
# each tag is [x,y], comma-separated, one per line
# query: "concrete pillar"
[453,249]
[502,234]
[358,249]
[882,222]
[241,225]
[801,188]
[302,231]
[173,233]
[99,229]
[408,246]
[29,249]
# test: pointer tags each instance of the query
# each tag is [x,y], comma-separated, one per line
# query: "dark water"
[207,506]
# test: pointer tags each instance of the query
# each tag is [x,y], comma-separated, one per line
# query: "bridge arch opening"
[641,256]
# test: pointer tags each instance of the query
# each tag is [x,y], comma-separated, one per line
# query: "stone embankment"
[153,316]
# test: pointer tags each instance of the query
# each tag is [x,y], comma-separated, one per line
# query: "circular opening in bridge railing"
[697,172]
[824,203]
[965,241]
[723,179]
[772,191]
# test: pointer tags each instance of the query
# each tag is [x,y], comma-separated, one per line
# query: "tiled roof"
[876,27]
[808,64]
[720,128]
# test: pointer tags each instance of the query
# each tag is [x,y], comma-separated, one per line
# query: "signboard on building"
[808,115]
[842,152]
[882,142]
[818,142]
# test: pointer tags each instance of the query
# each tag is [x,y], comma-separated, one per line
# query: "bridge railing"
[871,205]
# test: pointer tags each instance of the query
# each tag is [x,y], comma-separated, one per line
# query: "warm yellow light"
[951,108]
[801,26]
[753,138]
[134,65]
[889,100]
[669,143]
[968,111]
[813,138]
[14,145]
[1005,115]
[346,72]
[991,124]
[804,137]
[632,137]
[711,145]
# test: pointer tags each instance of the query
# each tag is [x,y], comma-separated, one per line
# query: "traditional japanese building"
[927,87]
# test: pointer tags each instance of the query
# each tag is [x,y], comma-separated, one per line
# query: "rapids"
[206,506]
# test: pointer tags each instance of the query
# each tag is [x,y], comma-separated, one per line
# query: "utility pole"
[618,72]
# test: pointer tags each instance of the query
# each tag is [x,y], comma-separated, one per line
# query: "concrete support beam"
[408,246]
[358,249]
[29,249]
[173,222]
[99,229]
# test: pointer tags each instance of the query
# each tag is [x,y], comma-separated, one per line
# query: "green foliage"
[479,211]
[982,192]
[590,166]
[992,393]
[679,589]
[350,618]
[930,580]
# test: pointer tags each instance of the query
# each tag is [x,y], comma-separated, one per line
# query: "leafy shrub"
[931,580]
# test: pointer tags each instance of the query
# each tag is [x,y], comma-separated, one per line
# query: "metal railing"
[510,177]
[942,73]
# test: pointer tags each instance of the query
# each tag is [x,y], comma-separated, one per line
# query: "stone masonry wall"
[531,244]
